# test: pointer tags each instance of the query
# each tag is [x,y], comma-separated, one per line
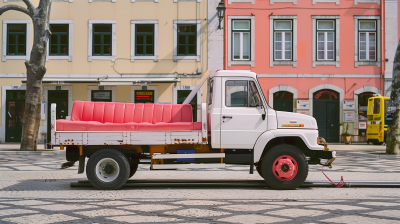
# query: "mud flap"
[81,166]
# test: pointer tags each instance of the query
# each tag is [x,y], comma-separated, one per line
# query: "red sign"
[318,95]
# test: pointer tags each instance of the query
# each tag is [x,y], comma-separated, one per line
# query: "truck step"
[190,165]
[189,156]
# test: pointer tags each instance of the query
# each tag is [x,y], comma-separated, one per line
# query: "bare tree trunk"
[35,69]
[393,135]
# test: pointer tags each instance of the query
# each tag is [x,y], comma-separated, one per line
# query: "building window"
[367,40]
[187,42]
[102,40]
[241,33]
[186,39]
[283,31]
[144,40]
[16,39]
[325,40]
[59,39]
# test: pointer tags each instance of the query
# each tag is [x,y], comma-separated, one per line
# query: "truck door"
[242,113]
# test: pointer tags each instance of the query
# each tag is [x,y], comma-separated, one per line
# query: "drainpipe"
[225,37]
[383,57]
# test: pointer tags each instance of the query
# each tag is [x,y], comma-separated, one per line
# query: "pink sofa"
[108,116]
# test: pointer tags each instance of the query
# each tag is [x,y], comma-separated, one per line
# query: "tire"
[258,168]
[107,169]
[133,164]
[273,171]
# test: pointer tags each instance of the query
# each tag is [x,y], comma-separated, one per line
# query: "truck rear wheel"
[107,169]
[284,167]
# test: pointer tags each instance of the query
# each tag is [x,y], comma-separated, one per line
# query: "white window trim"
[271,2]
[242,1]
[337,41]
[133,24]
[250,62]
[112,88]
[6,57]
[70,41]
[198,40]
[113,41]
[187,0]
[367,1]
[3,110]
[293,62]
[133,88]
[175,98]
[325,1]
[103,1]
[357,62]
[133,1]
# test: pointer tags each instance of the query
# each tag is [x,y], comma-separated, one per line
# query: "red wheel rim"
[285,168]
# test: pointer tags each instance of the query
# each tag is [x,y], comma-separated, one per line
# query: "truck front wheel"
[107,169]
[284,167]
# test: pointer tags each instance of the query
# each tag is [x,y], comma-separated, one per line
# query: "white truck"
[237,127]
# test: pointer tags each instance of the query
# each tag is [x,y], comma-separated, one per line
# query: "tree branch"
[15,8]
[30,6]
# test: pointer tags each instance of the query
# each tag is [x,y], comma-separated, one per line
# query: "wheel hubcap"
[285,168]
[107,170]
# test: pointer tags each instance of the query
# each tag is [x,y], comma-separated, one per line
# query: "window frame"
[247,103]
[187,36]
[133,40]
[59,34]
[292,62]
[102,35]
[233,31]
[145,34]
[378,40]
[326,31]
[6,57]
[16,39]
[283,50]
[91,42]
[250,62]
[196,57]
[70,41]
[367,32]
[336,60]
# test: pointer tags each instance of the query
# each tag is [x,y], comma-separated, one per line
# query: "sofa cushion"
[65,125]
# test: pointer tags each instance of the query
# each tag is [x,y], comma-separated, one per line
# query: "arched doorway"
[283,101]
[362,109]
[326,110]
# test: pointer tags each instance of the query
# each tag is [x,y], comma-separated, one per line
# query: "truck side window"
[377,106]
[254,96]
[211,92]
[236,94]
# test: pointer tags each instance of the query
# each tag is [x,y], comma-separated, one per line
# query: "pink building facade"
[322,58]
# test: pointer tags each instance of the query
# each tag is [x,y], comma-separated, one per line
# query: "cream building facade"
[117,50]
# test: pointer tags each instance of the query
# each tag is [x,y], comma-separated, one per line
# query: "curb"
[368,155]
[10,152]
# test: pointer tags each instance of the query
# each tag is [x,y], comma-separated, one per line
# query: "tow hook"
[329,162]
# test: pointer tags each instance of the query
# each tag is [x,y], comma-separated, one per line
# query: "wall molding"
[378,76]
[271,2]
[70,41]
[113,40]
[133,25]
[241,1]
[337,41]
[251,62]
[378,41]
[6,57]
[272,62]
[197,57]
[367,1]
[3,110]
[325,1]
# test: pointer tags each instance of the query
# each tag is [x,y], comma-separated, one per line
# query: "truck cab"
[237,127]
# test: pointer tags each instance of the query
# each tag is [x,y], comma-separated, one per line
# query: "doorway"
[15,106]
[283,101]
[60,98]
[181,97]
[326,110]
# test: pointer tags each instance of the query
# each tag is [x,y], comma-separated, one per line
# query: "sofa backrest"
[109,112]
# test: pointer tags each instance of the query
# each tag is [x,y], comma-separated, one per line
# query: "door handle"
[226,116]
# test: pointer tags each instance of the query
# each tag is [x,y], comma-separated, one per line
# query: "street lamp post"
[221,11]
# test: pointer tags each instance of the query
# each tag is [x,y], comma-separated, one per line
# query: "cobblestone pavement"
[34,190]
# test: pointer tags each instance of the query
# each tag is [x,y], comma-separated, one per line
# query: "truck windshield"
[254,96]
